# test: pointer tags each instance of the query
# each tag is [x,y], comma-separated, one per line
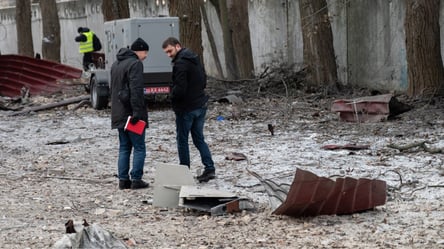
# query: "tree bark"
[319,57]
[51,30]
[424,61]
[24,30]
[239,23]
[212,42]
[115,9]
[190,24]
[233,17]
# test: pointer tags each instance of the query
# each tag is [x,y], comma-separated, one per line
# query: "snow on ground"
[59,164]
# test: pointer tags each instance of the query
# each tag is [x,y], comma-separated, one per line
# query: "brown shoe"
[136,184]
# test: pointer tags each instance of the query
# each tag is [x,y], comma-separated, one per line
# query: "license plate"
[157,89]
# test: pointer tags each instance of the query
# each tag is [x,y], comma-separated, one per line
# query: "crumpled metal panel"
[365,109]
[277,193]
[215,201]
[37,75]
[310,195]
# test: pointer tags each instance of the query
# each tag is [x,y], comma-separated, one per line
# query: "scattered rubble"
[58,164]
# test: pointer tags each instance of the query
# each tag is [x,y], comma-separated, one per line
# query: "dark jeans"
[87,59]
[193,122]
[128,141]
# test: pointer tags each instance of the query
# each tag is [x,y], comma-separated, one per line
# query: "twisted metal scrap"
[310,195]
[276,192]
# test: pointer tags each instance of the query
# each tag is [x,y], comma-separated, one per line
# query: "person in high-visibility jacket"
[86,45]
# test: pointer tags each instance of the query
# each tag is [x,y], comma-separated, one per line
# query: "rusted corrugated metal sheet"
[310,195]
[365,109]
[39,76]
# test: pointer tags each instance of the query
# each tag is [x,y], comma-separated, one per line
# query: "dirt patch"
[60,164]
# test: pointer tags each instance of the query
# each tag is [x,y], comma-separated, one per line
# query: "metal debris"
[276,192]
[310,195]
[35,75]
[174,186]
[216,202]
[168,180]
[369,109]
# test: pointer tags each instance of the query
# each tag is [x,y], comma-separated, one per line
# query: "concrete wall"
[6,3]
[72,14]
[376,54]
[368,35]
[275,35]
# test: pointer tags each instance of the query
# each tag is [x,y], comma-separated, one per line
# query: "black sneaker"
[136,184]
[207,175]
[124,184]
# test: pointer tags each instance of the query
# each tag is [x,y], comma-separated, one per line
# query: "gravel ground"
[60,164]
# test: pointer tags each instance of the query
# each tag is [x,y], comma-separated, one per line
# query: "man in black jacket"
[127,99]
[189,103]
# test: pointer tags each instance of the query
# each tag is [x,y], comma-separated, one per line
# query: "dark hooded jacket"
[127,98]
[189,82]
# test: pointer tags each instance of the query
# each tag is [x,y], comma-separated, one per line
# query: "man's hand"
[134,120]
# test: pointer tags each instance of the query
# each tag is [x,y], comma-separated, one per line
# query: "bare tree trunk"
[233,17]
[115,9]
[239,23]
[212,42]
[51,30]
[229,52]
[190,23]
[424,61]
[319,57]
[24,30]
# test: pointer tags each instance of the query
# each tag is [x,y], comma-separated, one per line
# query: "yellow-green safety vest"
[87,46]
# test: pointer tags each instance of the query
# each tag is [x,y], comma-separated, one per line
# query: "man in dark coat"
[127,99]
[189,103]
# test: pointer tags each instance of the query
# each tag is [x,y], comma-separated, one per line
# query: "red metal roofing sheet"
[365,109]
[311,195]
[39,76]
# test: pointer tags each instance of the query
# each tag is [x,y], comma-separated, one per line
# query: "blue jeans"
[193,122]
[128,141]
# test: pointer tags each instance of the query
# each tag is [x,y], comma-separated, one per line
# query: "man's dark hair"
[171,41]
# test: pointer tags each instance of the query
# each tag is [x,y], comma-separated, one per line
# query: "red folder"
[136,128]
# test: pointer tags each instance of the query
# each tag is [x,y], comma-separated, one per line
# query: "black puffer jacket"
[127,89]
[189,82]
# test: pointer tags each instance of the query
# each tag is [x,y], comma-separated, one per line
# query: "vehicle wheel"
[97,102]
